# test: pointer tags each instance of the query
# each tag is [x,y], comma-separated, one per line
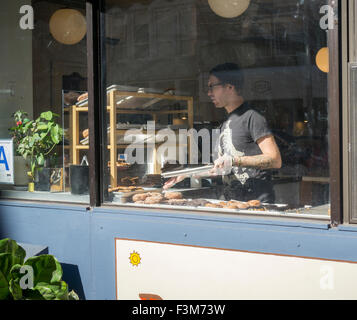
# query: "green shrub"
[37,278]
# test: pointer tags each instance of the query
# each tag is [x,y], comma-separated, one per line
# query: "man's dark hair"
[229,73]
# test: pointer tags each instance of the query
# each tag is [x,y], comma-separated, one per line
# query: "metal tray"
[124,197]
[188,171]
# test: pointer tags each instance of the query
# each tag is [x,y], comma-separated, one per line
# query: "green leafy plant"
[36,139]
[44,271]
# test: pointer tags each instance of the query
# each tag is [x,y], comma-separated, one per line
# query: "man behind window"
[246,148]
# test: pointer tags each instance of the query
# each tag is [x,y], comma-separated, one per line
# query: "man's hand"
[223,165]
[171,182]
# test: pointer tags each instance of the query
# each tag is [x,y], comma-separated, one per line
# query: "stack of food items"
[176,198]
[234,204]
[157,197]
[129,181]
[125,189]
[121,165]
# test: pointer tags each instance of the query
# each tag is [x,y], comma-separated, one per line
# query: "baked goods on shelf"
[121,165]
[139,197]
[213,205]
[173,195]
[197,202]
[129,180]
[176,198]
[148,197]
[153,199]
[242,205]
[125,189]
[254,203]
[176,202]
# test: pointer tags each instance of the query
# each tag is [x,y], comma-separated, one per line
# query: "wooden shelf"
[135,103]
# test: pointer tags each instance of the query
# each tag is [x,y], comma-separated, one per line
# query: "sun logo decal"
[134,258]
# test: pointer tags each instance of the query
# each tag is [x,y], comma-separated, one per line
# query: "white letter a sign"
[26,21]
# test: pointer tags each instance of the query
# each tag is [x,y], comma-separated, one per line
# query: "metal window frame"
[349,64]
[95,50]
[97,101]
[335,116]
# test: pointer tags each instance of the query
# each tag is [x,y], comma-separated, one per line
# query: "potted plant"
[21,165]
[37,278]
[36,140]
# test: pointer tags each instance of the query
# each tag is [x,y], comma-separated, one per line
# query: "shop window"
[43,73]
[250,87]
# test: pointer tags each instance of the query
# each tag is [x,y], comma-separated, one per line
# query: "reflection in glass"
[172,45]
[44,77]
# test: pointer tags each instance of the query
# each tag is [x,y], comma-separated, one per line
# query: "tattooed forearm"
[259,161]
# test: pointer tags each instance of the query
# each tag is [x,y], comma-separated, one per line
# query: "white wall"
[15,63]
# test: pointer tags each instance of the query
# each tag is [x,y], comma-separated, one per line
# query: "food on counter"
[154,199]
[197,202]
[129,180]
[155,194]
[173,195]
[125,189]
[234,202]
[139,197]
[176,202]
[148,197]
[230,206]
[242,205]
[213,205]
[254,203]
[176,198]
[258,209]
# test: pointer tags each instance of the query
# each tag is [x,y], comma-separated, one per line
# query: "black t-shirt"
[238,137]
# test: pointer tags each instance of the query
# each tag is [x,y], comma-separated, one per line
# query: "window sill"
[209,214]
[44,196]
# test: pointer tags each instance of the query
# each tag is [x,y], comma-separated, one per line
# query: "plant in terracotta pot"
[36,139]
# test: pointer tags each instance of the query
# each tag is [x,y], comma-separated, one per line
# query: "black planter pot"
[42,180]
[79,179]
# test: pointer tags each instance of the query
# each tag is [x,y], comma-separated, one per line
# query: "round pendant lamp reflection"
[229,8]
[68,26]
[322,59]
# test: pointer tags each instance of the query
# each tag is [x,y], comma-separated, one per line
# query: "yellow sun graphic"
[134,258]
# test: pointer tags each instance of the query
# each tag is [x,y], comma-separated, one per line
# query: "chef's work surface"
[189,202]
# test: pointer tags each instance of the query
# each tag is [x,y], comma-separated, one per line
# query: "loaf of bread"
[153,199]
[173,195]
[139,197]
[242,205]
[254,203]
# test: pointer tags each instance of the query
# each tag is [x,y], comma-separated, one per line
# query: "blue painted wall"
[83,240]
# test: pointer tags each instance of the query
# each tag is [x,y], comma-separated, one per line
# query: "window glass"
[237,85]
[43,72]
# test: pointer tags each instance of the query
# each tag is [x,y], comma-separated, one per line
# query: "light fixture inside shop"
[229,8]
[68,26]
[322,59]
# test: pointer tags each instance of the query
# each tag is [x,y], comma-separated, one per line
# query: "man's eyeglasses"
[211,86]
